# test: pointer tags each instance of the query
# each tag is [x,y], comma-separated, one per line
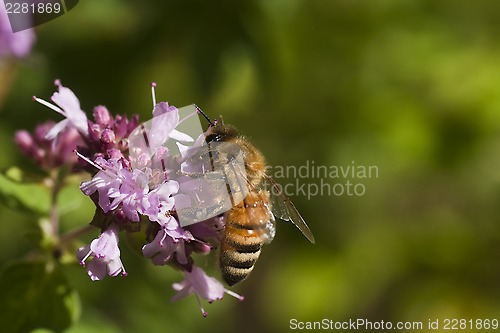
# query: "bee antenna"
[200,111]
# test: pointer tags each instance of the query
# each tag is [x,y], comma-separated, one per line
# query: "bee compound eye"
[213,138]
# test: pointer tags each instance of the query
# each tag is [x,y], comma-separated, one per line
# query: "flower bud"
[107,136]
[102,116]
[25,142]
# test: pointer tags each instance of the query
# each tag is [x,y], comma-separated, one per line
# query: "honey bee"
[222,175]
[250,223]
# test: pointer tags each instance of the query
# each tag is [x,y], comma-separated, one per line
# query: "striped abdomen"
[246,230]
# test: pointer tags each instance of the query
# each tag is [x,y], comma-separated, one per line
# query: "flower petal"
[180,136]
[56,129]
[96,269]
[67,100]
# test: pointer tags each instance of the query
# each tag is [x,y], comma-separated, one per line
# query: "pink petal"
[67,100]
[56,129]
[180,136]
[96,269]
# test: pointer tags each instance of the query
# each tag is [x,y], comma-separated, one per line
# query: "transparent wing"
[207,188]
[172,146]
[276,203]
[201,197]
[284,209]
[215,192]
[270,229]
[260,217]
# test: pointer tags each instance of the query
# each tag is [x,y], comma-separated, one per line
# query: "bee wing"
[201,197]
[236,172]
[284,209]
[281,207]
[270,229]
[212,188]
[260,214]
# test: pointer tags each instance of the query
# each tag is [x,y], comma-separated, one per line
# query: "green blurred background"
[412,87]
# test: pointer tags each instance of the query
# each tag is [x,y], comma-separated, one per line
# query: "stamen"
[163,238]
[202,242]
[49,105]
[232,293]
[110,173]
[124,272]
[97,166]
[153,93]
[120,270]
[82,262]
[205,314]
[201,246]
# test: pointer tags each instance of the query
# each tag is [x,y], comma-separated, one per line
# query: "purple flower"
[117,186]
[102,117]
[107,180]
[47,153]
[25,142]
[69,107]
[162,249]
[108,135]
[135,180]
[170,113]
[197,282]
[131,193]
[17,44]
[160,201]
[208,229]
[147,142]
[154,172]
[105,255]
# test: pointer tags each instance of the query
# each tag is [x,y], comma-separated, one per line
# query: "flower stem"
[73,234]
[56,182]
[54,211]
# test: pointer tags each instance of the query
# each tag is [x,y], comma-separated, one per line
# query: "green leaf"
[36,295]
[15,194]
[70,198]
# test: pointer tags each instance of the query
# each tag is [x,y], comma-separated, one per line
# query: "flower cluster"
[47,153]
[131,187]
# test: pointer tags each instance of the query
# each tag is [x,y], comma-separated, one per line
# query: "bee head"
[220,133]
